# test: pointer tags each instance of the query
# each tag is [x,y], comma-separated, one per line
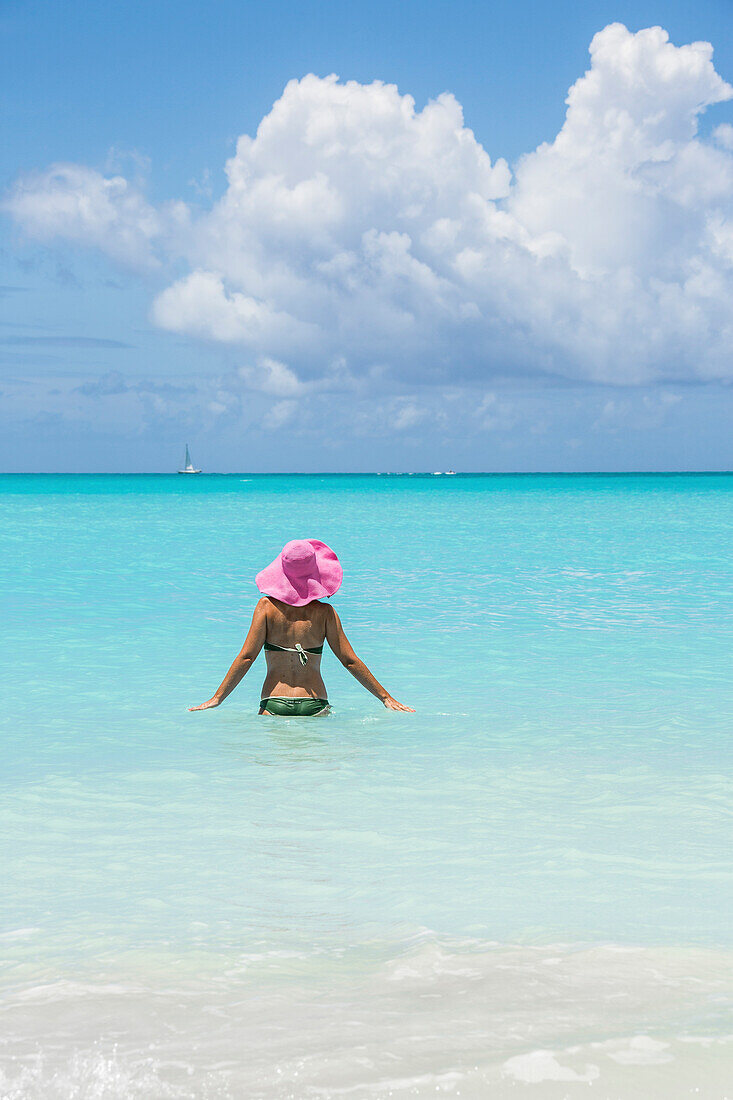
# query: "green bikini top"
[302,653]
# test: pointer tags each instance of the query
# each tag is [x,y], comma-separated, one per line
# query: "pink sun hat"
[304,570]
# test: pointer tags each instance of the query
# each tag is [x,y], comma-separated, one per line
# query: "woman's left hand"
[392,704]
[206,705]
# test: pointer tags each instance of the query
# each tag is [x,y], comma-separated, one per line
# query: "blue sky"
[335,324]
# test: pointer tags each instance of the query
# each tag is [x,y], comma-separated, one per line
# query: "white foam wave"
[421,1017]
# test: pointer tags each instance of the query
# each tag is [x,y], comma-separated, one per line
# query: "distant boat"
[188,466]
[451,472]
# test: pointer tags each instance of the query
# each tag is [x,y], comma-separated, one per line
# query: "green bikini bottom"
[293,708]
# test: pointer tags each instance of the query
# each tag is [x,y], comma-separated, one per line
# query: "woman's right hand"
[392,704]
[205,706]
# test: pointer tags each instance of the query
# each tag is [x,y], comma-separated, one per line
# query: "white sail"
[188,466]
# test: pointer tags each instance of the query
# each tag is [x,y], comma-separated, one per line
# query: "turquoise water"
[527,881]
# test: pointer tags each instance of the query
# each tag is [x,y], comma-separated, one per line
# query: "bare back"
[288,627]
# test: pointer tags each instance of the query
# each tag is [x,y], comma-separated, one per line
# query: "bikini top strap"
[302,653]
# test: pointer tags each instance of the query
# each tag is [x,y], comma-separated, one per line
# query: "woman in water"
[291,625]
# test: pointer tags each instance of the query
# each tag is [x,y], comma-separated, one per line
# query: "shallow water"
[524,886]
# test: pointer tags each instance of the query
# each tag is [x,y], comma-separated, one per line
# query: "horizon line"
[361,473]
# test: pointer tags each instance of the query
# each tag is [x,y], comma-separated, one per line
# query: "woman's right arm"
[341,646]
[253,643]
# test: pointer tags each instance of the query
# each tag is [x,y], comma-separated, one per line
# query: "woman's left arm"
[253,643]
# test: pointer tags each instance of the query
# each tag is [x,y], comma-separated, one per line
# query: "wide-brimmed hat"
[304,570]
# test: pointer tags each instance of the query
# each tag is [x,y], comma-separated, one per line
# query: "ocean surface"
[522,890]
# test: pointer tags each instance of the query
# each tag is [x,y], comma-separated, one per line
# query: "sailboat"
[188,466]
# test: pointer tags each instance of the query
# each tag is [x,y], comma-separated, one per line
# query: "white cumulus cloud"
[357,230]
[74,203]
[272,377]
[201,305]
